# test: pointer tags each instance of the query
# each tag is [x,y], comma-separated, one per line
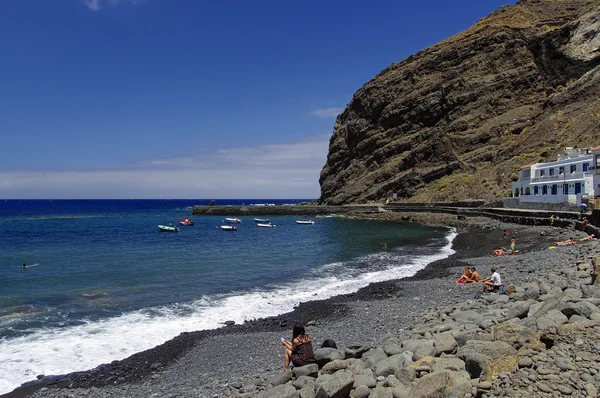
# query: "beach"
[240,360]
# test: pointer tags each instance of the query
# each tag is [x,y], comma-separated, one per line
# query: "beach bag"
[501,289]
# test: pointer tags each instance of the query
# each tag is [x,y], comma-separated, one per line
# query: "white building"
[575,175]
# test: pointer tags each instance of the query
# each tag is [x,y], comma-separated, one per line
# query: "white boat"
[307,222]
[233,220]
[262,220]
[168,228]
[268,225]
[228,228]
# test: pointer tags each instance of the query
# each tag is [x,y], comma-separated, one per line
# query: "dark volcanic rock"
[457,119]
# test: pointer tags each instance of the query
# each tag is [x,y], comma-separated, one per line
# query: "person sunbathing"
[474,276]
[465,277]
[567,242]
[499,252]
[591,237]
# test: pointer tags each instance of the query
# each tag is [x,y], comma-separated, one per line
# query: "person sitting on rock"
[493,283]
[299,351]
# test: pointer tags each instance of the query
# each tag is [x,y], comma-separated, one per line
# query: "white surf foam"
[59,351]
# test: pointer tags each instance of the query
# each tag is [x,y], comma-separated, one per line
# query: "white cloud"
[96,5]
[274,171]
[327,112]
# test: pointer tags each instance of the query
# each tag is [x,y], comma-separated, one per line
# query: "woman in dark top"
[299,351]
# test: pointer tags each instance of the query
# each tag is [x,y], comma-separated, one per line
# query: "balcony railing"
[560,177]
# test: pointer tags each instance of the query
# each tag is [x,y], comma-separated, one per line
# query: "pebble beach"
[422,336]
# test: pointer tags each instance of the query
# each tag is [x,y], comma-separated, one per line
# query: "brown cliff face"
[457,119]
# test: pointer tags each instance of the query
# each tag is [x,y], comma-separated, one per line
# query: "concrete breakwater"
[281,210]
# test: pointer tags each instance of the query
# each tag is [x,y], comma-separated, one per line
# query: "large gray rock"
[477,354]
[304,380]
[518,310]
[334,366]
[445,345]
[551,319]
[436,384]
[364,380]
[338,386]
[307,370]
[325,355]
[374,356]
[583,308]
[361,391]
[390,365]
[280,378]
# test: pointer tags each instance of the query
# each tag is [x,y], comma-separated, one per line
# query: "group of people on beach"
[491,283]
[502,251]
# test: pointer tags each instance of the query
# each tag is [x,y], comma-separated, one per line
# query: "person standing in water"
[384,245]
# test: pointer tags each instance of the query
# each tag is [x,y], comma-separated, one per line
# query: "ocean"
[110,284]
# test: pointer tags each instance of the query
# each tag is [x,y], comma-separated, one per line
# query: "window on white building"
[573,168]
[585,167]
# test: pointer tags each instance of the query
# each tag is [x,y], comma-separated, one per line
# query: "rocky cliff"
[458,119]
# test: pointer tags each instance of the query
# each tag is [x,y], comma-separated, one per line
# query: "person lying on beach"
[544,233]
[499,252]
[567,242]
[591,237]
[299,351]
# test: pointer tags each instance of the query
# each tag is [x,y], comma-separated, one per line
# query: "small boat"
[233,220]
[267,225]
[187,222]
[228,228]
[307,222]
[168,228]
[262,220]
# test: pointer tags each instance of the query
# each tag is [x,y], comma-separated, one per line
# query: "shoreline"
[475,238]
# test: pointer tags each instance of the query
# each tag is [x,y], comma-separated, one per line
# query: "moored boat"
[267,225]
[228,228]
[233,220]
[187,222]
[262,220]
[168,228]
[305,222]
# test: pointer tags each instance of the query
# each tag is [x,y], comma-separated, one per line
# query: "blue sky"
[193,98]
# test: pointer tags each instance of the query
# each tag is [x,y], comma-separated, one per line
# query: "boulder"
[435,384]
[390,365]
[338,386]
[518,310]
[325,355]
[477,354]
[513,334]
[551,319]
[373,356]
[334,366]
[280,378]
[307,370]
[445,345]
